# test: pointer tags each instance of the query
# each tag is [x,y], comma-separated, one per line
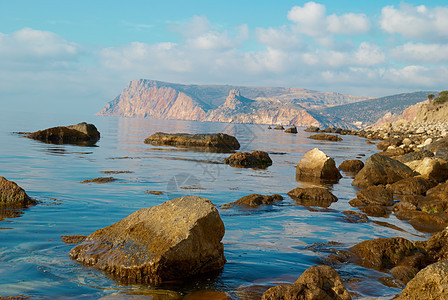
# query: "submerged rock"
[326,137]
[380,169]
[316,164]
[256,159]
[99,180]
[280,127]
[429,283]
[255,200]
[352,165]
[317,282]
[314,196]
[208,140]
[291,130]
[177,239]
[13,196]
[82,134]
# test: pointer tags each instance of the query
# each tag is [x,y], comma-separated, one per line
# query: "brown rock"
[352,165]
[390,142]
[291,130]
[82,133]
[408,157]
[377,195]
[280,127]
[13,196]
[317,282]
[312,129]
[316,164]
[380,169]
[411,186]
[211,140]
[256,159]
[429,284]
[326,137]
[437,245]
[255,200]
[433,168]
[99,180]
[404,273]
[355,217]
[73,239]
[177,239]
[374,210]
[314,196]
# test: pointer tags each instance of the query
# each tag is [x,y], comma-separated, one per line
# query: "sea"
[264,247]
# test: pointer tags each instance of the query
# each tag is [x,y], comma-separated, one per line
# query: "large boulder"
[380,169]
[292,129]
[316,164]
[82,133]
[255,200]
[207,140]
[352,165]
[411,156]
[411,186]
[13,196]
[316,283]
[313,196]
[437,245]
[177,239]
[430,283]
[256,159]
[433,168]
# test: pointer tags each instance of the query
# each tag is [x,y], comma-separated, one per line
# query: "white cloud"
[369,55]
[416,22]
[29,45]
[281,38]
[311,19]
[213,40]
[421,53]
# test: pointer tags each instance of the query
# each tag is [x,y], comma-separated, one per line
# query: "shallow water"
[263,247]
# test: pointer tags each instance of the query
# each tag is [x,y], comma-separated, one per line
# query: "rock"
[73,239]
[256,159]
[438,145]
[291,130]
[269,127]
[255,200]
[279,127]
[352,165]
[317,282]
[420,130]
[207,140]
[316,164]
[411,186]
[383,253]
[437,245]
[407,141]
[82,134]
[377,195]
[380,169]
[373,210]
[387,143]
[314,196]
[99,180]
[13,196]
[442,154]
[177,239]
[355,217]
[404,273]
[312,129]
[429,283]
[330,130]
[433,168]
[411,156]
[325,137]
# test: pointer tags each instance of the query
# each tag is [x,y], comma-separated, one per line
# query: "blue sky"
[78,55]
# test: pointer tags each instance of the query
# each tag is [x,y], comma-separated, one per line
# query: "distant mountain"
[258,105]
[221,103]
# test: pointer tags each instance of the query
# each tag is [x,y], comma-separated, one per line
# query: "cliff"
[433,112]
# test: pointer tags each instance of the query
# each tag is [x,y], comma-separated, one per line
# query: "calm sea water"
[263,247]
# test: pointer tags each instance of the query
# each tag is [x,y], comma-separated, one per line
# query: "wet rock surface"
[352,165]
[255,200]
[317,165]
[177,239]
[317,282]
[99,180]
[212,140]
[81,134]
[256,159]
[291,130]
[411,186]
[313,196]
[326,137]
[13,196]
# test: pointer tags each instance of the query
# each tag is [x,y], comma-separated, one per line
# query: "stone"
[420,130]
[13,196]
[255,200]
[176,239]
[429,284]
[355,217]
[407,141]
[99,180]
[326,137]
[317,282]
[206,140]
[314,196]
[280,127]
[411,186]
[316,164]
[433,168]
[404,273]
[377,195]
[380,169]
[387,143]
[291,130]
[79,134]
[411,156]
[437,245]
[352,165]
[256,159]
[438,145]
[312,129]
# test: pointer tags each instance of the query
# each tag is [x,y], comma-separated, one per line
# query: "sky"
[58,56]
